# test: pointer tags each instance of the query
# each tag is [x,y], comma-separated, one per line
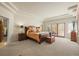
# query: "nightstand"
[21,36]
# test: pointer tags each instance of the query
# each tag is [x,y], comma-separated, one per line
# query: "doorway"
[5,23]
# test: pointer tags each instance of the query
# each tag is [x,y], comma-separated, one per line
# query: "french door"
[61,29]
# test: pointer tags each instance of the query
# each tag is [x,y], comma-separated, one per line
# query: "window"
[61,29]
[54,28]
[49,27]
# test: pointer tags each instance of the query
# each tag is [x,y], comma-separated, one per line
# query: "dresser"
[74,36]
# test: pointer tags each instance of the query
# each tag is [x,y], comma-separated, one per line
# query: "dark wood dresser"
[74,36]
[21,36]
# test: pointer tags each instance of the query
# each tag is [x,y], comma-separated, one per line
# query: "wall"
[25,20]
[60,20]
[77,17]
[6,13]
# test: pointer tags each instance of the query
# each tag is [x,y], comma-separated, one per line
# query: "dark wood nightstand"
[21,36]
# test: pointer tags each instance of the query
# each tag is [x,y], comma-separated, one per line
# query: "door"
[4,27]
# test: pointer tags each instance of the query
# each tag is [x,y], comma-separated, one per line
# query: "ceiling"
[34,13]
[43,10]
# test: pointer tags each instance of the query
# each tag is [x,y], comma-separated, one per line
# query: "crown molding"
[9,6]
[64,16]
[13,6]
[73,8]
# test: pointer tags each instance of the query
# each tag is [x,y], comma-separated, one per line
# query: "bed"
[36,36]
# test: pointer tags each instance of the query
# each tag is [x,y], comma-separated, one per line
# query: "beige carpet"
[2,45]
[61,47]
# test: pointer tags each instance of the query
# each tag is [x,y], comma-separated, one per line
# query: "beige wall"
[6,13]
[27,19]
[60,20]
[77,18]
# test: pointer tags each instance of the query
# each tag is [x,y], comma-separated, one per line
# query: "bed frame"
[42,38]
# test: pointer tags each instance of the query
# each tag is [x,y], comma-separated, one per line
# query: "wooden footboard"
[41,38]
